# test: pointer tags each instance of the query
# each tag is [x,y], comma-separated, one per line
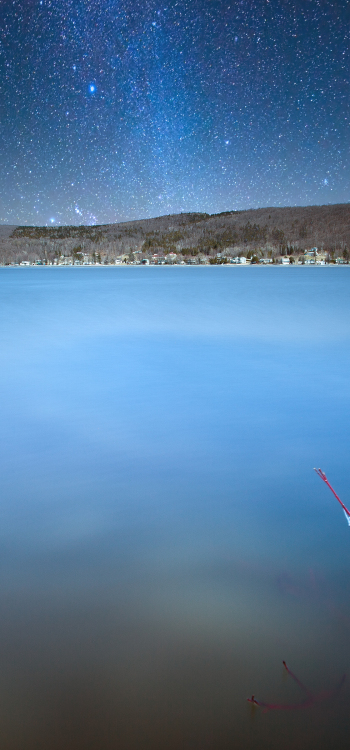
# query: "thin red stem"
[322,475]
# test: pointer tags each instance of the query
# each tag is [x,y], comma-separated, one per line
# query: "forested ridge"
[264,232]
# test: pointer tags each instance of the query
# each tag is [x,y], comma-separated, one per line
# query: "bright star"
[92,88]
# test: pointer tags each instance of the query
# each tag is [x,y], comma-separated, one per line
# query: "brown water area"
[159,659]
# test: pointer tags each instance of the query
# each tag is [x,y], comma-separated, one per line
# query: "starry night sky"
[118,109]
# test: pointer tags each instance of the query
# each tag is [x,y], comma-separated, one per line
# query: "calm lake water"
[165,543]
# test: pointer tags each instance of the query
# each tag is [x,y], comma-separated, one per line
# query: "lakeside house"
[237,259]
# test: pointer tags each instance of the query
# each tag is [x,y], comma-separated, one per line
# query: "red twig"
[310,700]
[322,475]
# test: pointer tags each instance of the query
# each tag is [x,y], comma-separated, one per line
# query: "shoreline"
[174,265]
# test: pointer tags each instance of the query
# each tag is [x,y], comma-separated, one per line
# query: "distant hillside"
[267,232]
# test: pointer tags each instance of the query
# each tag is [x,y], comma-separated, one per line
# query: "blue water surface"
[165,543]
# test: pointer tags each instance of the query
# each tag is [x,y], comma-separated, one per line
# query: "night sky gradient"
[118,109]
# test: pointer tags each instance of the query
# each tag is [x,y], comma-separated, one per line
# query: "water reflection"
[164,540]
